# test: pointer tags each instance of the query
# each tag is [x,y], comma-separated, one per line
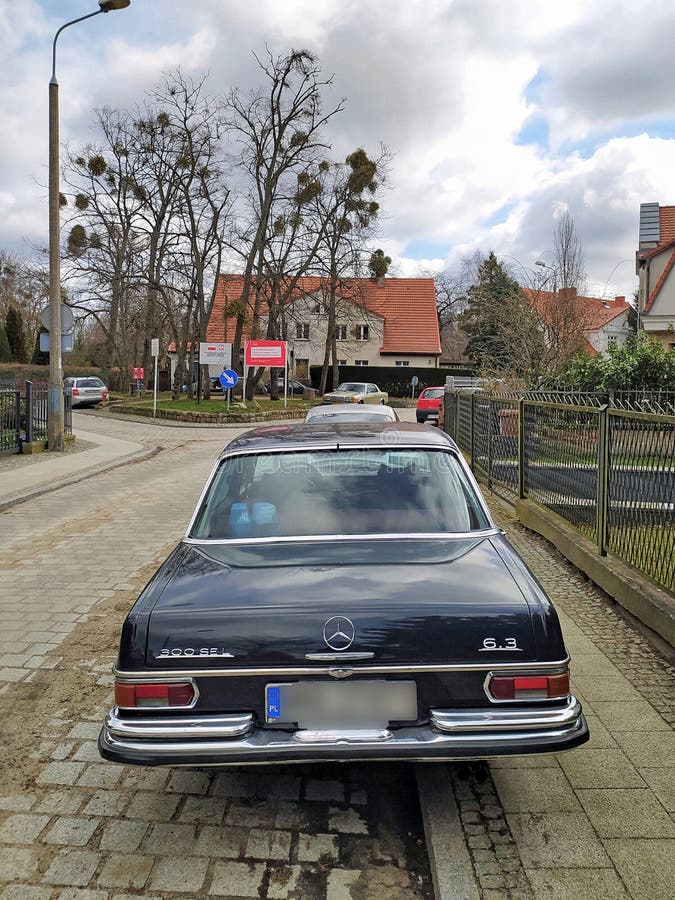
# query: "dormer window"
[362,333]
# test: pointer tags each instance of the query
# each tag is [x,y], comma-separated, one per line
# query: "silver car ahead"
[87,391]
[321,415]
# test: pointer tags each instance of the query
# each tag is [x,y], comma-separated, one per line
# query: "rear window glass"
[89,382]
[432,393]
[361,491]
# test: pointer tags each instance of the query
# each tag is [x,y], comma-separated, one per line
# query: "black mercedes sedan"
[341,593]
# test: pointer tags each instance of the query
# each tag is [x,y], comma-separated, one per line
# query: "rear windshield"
[362,491]
[89,382]
[432,393]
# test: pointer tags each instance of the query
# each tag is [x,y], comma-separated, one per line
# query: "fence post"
[17,423]
[29,412]
[471,441]
[521,449]
[602,498]
[489,444]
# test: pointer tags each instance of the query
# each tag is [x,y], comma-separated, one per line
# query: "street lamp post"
[540,262]
[55,410]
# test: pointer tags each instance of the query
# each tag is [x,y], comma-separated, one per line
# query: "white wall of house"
[615,332]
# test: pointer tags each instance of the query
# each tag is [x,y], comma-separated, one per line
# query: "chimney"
[649,225]
[380,281]
[567,293]
[619,301]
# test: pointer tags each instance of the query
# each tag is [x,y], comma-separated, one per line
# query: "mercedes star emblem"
[339,633]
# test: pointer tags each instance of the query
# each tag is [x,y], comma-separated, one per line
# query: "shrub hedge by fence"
[13,372]
[395,380]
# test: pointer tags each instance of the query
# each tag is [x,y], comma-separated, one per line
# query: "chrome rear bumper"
[235,739]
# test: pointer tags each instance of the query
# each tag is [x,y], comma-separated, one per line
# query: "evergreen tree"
[15,335]
[5,352]
[503,329]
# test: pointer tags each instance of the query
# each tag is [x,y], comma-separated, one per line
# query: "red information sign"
[138,373]
[266,353]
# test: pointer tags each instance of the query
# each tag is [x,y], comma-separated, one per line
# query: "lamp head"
[540,262]
[110,5]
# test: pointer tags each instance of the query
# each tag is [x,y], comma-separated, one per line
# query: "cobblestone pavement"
[596,822]
[75,828]
[593,823]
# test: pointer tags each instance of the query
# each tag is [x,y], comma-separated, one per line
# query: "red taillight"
[529,687]
[76,393]
[179,693]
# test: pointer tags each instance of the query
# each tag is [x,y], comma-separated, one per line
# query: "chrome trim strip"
[337,657]
[170,679]
[331,538]
[185,727]
[453,721]
[556,667]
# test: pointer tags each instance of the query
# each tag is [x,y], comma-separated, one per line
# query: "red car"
[427,404]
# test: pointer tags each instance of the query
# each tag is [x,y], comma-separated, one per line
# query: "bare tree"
[569,257]
[279,132]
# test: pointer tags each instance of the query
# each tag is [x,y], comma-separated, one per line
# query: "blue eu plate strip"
[273,711]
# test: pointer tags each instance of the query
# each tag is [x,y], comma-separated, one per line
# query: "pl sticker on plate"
[273,710]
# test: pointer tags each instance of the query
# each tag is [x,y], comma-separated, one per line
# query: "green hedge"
[395,380]
[13,372]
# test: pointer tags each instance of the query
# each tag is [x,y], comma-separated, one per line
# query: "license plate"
[355,704]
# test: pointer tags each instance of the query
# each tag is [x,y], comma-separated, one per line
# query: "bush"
[10,373]
[642,363]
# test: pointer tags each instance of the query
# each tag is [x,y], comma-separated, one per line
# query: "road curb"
[451,868]
[137,456]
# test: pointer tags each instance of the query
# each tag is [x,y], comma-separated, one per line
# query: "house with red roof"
[383,322]
[655,259]
[598,322]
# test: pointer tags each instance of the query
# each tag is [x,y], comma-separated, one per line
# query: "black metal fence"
[609,472]
[10,420]
[24,412]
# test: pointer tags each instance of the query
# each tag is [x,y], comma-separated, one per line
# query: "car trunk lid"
[396,601]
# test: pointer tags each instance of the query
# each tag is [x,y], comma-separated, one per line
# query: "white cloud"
[444,83]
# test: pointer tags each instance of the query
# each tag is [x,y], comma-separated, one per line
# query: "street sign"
[228,379]
[154,347]
[66,342]
[215,354]
[138,373]
[414,381]
[67,320]
[266,353]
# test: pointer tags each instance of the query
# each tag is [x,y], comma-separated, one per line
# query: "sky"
[500,114]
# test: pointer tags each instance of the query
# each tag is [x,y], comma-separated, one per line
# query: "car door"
[372,394]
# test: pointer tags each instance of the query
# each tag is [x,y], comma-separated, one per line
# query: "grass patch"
[219,405]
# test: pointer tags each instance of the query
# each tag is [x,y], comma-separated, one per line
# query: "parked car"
[320,415]
[296,388]
[428,403]
[340,594]
[89,391]
[356,392]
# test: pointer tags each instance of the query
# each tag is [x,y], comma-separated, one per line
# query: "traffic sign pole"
[155,352]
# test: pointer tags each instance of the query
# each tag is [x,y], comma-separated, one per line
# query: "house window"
[342,362]
[341,332]
[402,362]
[360,362]
[362,333]
[320,307]
[302,331]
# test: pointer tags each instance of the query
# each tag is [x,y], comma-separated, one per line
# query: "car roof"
[333,435]
[337,409]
